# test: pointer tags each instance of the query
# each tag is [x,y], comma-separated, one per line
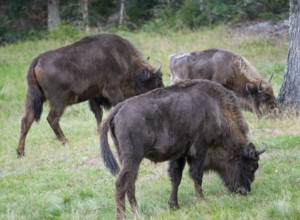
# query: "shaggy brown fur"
[194,121]
[232,71]
[104,69]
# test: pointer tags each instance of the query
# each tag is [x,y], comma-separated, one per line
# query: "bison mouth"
[242,190]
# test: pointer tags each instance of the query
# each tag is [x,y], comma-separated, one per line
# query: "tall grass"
[70,182]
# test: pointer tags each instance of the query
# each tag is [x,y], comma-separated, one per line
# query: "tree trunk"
[53,14]
[289,95]
[85,15]
[122,12]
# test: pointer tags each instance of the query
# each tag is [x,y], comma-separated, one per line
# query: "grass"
[70,182]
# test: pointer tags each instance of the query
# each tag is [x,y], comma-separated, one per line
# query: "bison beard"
[104,69]
[194,121]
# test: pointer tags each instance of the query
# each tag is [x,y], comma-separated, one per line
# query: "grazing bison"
[197,121]
[104,69]
[230,70]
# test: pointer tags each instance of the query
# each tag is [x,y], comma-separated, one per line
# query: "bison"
[104,69]
[232,71]
[193,121]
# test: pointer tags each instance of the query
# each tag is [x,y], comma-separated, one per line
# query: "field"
[70,182]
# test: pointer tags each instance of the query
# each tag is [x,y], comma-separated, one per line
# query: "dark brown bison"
[232,71]
[194,121]
[104,69]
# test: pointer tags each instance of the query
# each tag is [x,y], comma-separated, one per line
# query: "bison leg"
[53,119]
[196,171]
[96,109]
[131,197]
[175,172]
[126,184]
[25,126]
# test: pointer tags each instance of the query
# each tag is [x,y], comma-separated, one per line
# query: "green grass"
[70,182]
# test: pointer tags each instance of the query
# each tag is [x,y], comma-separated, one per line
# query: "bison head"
[246,167]
[235,169]
[262,95]
[149,80]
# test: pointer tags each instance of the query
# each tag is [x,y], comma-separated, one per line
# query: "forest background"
[27,19]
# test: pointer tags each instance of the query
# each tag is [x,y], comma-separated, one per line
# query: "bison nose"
[242,191]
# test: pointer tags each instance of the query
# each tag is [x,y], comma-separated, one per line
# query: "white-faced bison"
[230,70]
[194,121]
[104,69]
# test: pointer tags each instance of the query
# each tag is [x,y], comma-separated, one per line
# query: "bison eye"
[266,96]
[254,168]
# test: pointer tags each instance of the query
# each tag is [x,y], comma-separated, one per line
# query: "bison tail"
[107,156]
[35,96]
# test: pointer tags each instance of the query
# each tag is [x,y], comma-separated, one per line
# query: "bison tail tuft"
[107,155]
[35,96]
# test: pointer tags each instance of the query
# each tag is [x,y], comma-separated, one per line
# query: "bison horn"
[271,78]
[157,69]
[262,150]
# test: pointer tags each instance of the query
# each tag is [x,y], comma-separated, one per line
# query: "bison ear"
[251,88]
[249,152]
[145,75]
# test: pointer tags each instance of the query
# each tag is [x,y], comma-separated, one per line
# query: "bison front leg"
[175,172]
[196,171]
[96,109]
[53,119]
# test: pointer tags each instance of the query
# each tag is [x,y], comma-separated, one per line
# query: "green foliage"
[25,19]
[140,11]
[64,31]
[189,15]
[268,9]
[193,14]
[21,20]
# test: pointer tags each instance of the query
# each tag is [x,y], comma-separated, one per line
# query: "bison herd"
[197,120]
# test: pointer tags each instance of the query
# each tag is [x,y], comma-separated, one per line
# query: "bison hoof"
[173,205]
[20,153]
[199,199]
[64,142]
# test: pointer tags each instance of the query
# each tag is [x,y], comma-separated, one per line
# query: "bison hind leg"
[196,170]
[131,196]
[53,118]
[26,123]
[125,184]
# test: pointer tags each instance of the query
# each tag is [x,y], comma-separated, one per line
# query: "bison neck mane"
[242,66]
